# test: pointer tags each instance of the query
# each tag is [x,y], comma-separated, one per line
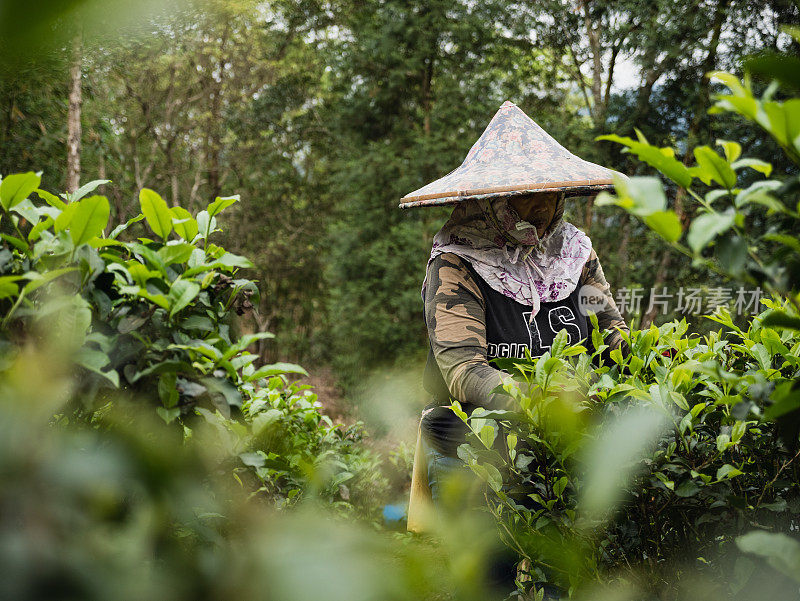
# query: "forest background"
[321,115]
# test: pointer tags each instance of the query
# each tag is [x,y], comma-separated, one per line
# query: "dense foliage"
[323,114]
[121,510]
[148,426]
[153,318]
[139,438]
[685,424]
[701,432]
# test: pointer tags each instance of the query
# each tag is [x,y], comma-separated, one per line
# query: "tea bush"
[152,317]
[687,418]
[680,457]
[119,509]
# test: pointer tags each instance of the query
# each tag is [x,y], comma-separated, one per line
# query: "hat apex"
[513,156]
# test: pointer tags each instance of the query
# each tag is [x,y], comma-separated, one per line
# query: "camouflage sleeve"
[455,315]
[608,318]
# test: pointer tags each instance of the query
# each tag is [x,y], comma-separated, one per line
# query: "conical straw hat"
[513,156]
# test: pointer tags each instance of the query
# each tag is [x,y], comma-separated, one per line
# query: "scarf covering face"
[508,253]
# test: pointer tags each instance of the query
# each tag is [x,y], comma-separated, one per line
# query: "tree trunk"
[622,253]
[74,117]
[101,162]
[708,64]
[587,221]
[175,189]
[427,81]
[651,75]
[214,137]
[593,34]
[651,69]
[9,114]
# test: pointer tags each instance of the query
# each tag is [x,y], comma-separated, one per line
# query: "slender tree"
[74,116]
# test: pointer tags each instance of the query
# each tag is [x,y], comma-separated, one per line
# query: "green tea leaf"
[89,219]
[95,360]
[759,352]
[167,389]
[85,189]
[206,224]
[559,342]
[559,485]
[727,471]
[731,81]
[151,257]
[708,226]
[511,441]
[220,204]
[772,117]
[747,106]
[168,415]
[786,400]
[773,66]
[781,319]
[780,550]
[17,187]
[738,430]
[156,211]
[185,225]
[20,245]
[9,286]
[662,159]
[712,167]
[124,226]
[614,456]
[679,400]
[231,395]
[688,488]
[244,342]
[157,299]
[640,196]
[785,239]
[276,369]
[232,260]
[51,199]
[175,253]
[733,150]
[30,212]
[487,435]
[666,224]
[791,111]
[181,293]
[666,481]
[36,231]
[36,279]
[63,221]
[755,164]
[760,192]
[731,251]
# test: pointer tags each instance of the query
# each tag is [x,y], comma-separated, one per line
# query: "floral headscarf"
[508,253]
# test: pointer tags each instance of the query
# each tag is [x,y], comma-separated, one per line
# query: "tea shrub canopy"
[152,318]
[671,452]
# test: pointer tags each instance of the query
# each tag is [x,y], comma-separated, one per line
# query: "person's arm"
[455,315]
[608,317]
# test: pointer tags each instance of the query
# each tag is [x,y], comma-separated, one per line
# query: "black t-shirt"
[508,334]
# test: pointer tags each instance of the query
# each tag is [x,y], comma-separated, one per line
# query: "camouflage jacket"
[455,316]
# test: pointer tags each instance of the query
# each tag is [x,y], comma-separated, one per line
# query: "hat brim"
[587,188]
